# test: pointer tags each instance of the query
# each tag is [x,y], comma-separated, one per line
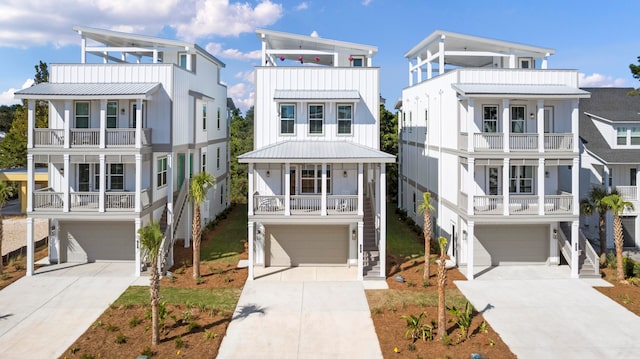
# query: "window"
[311,179]
[218,158]
[517,119]
[345,118]
[426,121]
[414,202]
[162,171]
[622,136]
[221,194]
[635,136]
[316,119]
[82,114]
[287,118]
[204,117]
[114,178]
[112,114]
[357,61]
[526,63]
[521,179]
[632,176]
[494,175]
[218,118]
[203,164]
[134,115]
[182,60]
[490,119]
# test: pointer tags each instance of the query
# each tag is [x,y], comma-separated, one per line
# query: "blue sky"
[595,37]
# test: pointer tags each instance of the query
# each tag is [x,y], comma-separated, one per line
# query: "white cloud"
[6,97]
[314,34]
[245,76]
[366,2]
[235,54]
[302,6]
[242,95]
[599,80]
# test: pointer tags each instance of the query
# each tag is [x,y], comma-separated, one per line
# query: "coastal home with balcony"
[124,135]
[610,133]
[492,133]
[316,174]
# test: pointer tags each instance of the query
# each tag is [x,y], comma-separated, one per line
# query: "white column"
[103,123]
[139,122]
[30,246]
[637,192]
[575,120]
[441,55]
[606,175]
[505,186]
[429,66]
[360,189]
[506,128]
[250,190]
[470,240]
[470,186]
[554,256]
[65,182]
[410,73]
[419,72]
[470,124]
[287,189]
[543,63]
[170,190]
[31,122]
[360,245]
[323,187]
[512,61]
[540,190]
[189,64]
[155,56]
[137,226]
[250,236]
[138,206]
[83,49]
[30,182]
[574,248]
[575,183]
[67,123]
[540,125]
[103,183]
[382,245]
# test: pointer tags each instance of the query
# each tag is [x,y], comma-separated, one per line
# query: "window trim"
[108,176]
[161,171]
[114,116]
[87,116]
[218,158]
[317,178]
[204,116]
[321,120]
[353,58]
[512,120]
[293,119]
[350,119]
[218,118]
[485,120]
[519,177]
[203,162]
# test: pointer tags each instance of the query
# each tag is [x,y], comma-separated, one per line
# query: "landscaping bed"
[625,294]
[16,268]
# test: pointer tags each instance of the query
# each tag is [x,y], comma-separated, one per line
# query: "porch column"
[250,190]
[605,179]
[470,236]
[419,70]
[30,245]
[103,123]
[139,123]
[65,183]
[429,66]
[540,125]
[137,226]
[360,245]
[540,189]
[138,206]
[287,189]
[441,55]
[170,190]
[382,244]
[31,122]
[470,186]
[250,233]
[637,183]
[102,183]
[505,186]
[67,123]
[575,120]
[470,124]
[574,248]
[575,183]
[506,129]
[554,256]
[360,189]
[30,182]
[323,186]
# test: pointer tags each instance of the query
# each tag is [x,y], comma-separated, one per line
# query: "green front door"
[180,170]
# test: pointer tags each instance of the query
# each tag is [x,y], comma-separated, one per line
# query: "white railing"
[306,204]
[120,136]
[85,136]
[343,204]
[488,204]
[558,142]
[119,200]
[47,199]
[523,141]
[628,193]
[523,204]
[463,141]
[84,200]
[268,204]
[589,252]
[558,204]
[488,141]
[48,137]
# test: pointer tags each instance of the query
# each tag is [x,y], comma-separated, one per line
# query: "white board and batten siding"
[366,112]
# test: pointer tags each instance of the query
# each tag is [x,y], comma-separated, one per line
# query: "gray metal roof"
[316,151]
[616,106]
[316,95]
[537,91]
[51,91]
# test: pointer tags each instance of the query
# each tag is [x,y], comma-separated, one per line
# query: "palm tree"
[198,188]
[150,241]
[442,281]
[592,204]
[425,208]
[617,205]
[6,191]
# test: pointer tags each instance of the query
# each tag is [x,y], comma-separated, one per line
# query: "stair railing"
[565,245]
[590,253]
[168,240]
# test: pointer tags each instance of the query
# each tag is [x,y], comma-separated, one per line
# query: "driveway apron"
[42,315]
[555,318]
[303,319]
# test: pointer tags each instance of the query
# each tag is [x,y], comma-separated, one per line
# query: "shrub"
[179,342]
[97,324]
[134,321]
[147,351]
[111,328]
[86,356]
[209,335]
[120,338]
[416,329]
[463,317]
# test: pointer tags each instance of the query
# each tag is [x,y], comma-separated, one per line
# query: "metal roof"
[286,41]
[316,151]
[52,91]
[316,95]
[523,91]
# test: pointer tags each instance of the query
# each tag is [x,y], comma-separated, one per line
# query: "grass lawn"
[402,241]
[221,298]
[227,240]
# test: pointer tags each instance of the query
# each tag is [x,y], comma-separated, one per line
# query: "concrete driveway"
[301,319]
[42,315]
[547,317]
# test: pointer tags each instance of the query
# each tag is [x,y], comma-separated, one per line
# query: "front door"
[292,181]
[180,170]
[83,177]
[548,120]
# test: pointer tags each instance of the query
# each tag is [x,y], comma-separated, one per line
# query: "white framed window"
[357,61]
[182,60]
[114,177]
[526,62]
[311,179]
[218,118]
[490,118]
[494,181]
[112,114]
[203,164]
[518,119]
[345,119]
[287,119]
[426,121]
[161,171]
[82,114]
[316,119]
[621,136]
[635,136]
[204,116]
[521,179]
[134,115]
[218,158]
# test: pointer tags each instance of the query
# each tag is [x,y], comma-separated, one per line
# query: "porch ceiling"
[519,91]
[316,151]
[54,91]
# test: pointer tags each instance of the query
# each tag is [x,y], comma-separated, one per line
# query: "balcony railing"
[558,142]
[493,141]
[523,141]
[306,204]
[90,137]
[48,200]
[628,193]
[488,141]
[523,205]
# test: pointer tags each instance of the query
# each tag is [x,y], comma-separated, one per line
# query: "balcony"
[628,193]
[47,200]
[523,205]
[90,138]
[306,205]
[518,142]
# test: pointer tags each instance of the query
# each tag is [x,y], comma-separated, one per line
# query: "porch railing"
[488,204]
[46,198]
[628,193]
[49,200]
[558,142]
[90,137]
[523,141]
[523,205]
[493,141]
[306,204]
[85,136]
[48,137]
[342,204]
[488,141]
[117,200]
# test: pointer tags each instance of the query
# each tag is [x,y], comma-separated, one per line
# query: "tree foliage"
[198,188]
[150,242]
[241,133]
[6,191]
[425,208]
[389,144]
[617,205]
[635,72]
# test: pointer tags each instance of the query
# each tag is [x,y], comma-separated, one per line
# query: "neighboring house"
[125,134]
[610,133]
[316,175]
[493,135]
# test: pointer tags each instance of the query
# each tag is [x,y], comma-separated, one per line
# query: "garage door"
[629,230]
[511,245]
[95,241]
[307,245]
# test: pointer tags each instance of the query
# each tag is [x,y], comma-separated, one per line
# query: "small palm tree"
[425,208]
[6,191]
[617,205]
[150,241]
[442,281]
[593,204]
[198,188]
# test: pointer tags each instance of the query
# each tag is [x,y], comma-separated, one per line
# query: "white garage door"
[307,245]
[511,245]
[95,241]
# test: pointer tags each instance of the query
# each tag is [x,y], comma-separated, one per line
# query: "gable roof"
[316,151]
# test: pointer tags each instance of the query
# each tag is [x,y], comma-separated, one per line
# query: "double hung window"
[345,119]
[287,119]
[521,179]
[82,114]
[112,114]
[311,179]
[517,119]
[316,119]
[490,119]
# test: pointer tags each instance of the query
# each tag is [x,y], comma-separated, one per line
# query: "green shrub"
[134,321]
[463,317]
[120,338]
[416,329]
[179,342]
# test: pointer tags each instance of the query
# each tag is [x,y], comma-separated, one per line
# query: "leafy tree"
[13,149]
[425,208]
[150,242]
[593,204]
[442,281]
[617,205]
[635,72]
[6,191]
[7,114]
[389,144]
[198,188]
[241,141]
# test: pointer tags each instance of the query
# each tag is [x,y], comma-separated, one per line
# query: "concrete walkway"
[552,316]
[42,315]
[301,319]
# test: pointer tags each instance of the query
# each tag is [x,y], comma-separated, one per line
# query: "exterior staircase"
[588,260]
[165,260]
[370,251]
